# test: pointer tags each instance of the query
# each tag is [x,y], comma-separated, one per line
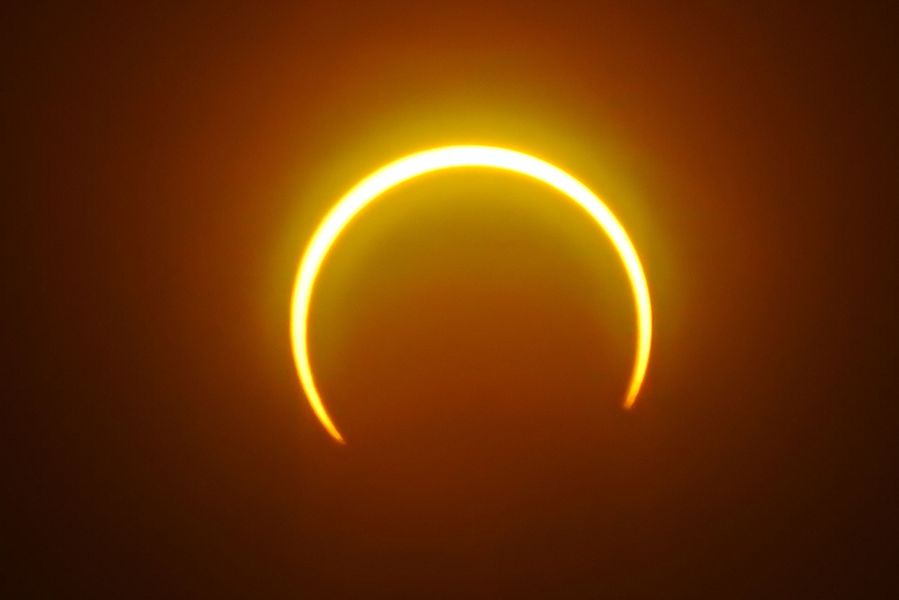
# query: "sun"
[439,159]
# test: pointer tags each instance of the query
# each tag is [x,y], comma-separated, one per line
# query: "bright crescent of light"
[438,159]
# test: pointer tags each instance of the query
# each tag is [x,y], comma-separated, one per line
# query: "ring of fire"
[438,159]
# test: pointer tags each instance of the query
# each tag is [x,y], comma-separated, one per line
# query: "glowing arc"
[438,159]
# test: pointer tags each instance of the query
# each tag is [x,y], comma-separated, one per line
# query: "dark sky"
[165,167]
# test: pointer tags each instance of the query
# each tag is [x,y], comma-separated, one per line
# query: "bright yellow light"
[438,159]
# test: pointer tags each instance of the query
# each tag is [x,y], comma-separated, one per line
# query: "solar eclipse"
[456,157]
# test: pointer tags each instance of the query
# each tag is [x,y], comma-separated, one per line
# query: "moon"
[439,159]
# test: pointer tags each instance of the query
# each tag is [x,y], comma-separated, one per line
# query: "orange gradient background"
[472,334]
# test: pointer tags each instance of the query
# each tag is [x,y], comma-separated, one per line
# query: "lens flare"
[438,159]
